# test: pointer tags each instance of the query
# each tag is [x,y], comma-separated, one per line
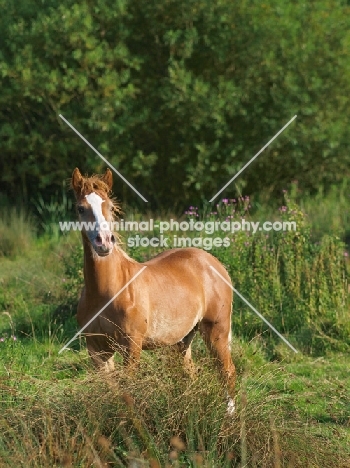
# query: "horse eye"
[80,209]
[112,208]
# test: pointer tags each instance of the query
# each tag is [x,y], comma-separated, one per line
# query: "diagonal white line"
[103,158]
[254,157]
[103,308]
[254,310]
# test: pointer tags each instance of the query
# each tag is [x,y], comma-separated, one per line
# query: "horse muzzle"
[103,243]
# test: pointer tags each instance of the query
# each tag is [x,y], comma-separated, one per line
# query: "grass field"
[293,410]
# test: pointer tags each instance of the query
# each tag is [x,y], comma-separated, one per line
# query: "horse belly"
[167,329]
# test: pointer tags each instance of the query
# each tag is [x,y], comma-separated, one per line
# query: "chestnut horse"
[174,296]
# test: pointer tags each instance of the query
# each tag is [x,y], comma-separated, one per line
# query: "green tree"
[178,95]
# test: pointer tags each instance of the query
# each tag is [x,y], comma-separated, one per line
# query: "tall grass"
[327,211]
[17,232]
[50,213]
[159,418]
[35,291]
[299,285]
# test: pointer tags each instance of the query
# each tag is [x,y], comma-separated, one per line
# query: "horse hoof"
[231,407]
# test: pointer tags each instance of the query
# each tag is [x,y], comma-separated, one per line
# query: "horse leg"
[131,337]
[132,351]
[184,348]
[101,359]
[217,337]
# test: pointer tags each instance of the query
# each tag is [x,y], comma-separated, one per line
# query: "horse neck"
[105,276]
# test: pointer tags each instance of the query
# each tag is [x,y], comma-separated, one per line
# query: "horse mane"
[95,184]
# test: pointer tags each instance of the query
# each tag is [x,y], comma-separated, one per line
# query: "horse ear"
[77,180]
[107,178]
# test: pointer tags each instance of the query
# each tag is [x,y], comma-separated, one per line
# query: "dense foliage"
[177,94]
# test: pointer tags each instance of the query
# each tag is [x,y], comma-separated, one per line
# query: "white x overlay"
[135,276]
[230,285]
[254,310]
[254,157]
[103,158]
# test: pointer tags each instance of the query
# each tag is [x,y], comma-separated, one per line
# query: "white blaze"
[95,202]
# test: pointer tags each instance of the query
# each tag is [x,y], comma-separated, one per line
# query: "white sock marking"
[231,407]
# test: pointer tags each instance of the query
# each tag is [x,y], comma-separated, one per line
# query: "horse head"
[95,210]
